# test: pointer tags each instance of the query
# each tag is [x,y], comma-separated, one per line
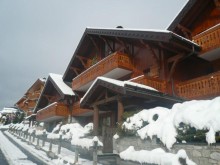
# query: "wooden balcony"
[114,66]
[77,111]
[54,111]
[158,84]
[200,88]
[209,39]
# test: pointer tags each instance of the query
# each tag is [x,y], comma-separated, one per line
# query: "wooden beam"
[106,100]
[81,60]
[100,96]
[48,97]
[167,48]
[217,3]
[107,43]
[152,51]
[174,58]
[94,43]
[185,31]
[95,120]
[76,70]
[120,110]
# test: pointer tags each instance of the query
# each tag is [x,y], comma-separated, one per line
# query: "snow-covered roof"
[118,83]
[58,80]
[125,88]
[9,110]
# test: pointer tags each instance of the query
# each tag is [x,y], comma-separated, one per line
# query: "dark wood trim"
[104,101]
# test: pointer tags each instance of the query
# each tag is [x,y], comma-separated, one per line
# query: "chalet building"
[28,102]
[56,103]
[117,69]
[199,21]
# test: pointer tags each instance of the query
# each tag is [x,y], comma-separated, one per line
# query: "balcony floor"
[211,55]
[114,74]
[52,118]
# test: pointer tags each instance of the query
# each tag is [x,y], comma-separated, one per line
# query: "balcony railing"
[77,111]
[209,39]
[200,88]
[54,110]
[116,60]
[158,84]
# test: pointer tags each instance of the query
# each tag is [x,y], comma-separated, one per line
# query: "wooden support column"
[113,119]
[120,110]
[95,120]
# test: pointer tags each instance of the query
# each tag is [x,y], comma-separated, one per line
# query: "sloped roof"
[156,36]
[124,88]
[55,81]
[189,14]
[61,86]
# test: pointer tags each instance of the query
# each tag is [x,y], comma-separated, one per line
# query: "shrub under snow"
[202,115]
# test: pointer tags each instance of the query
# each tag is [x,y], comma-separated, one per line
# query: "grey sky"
[38,37]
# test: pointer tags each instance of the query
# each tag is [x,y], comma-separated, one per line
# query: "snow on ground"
[65,157]
[156,156]
[13,154]
[200,114]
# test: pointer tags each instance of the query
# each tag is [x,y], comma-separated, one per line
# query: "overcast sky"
[38,37]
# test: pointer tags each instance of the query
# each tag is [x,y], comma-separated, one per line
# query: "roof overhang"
[155,36]
[128,91]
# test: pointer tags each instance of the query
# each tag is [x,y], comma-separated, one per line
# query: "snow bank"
[85,142]
[156,156]
[202,115]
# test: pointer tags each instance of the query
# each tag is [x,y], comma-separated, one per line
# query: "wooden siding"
[209,39]
[158,84]
[53,110]
[199,88]
[116,60]
[77,111]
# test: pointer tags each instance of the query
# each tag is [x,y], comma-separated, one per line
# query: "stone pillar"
[33,134]
[95,150]
[44,138]
[120,110]
[96,120]
[76,155]
[50,146]
[59,144]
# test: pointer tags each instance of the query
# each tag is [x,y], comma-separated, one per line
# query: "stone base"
[52,155]
[38,147]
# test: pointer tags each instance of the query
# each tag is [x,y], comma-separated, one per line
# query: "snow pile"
[25,127]
[40,132]
[156,156]
[116,136]
[202,115]
[85,142]
[75,130]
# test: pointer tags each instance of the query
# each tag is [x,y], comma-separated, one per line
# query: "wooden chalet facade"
[112,69]
[181,63]
[199,21]
[55,102]
[28,102]
[138,56]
